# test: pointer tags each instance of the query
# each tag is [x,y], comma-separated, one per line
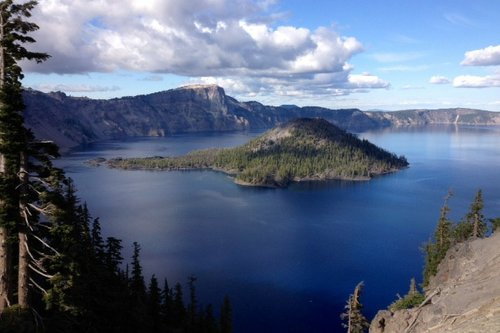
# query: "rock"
[72,121]
[467,294]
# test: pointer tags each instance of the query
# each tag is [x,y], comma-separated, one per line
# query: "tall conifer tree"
[356,321]
[14,140]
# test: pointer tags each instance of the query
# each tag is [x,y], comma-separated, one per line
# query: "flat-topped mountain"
[302,149]
[71,121]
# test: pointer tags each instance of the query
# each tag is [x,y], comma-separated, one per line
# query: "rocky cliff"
[458,116]
[463,297]
[70,121]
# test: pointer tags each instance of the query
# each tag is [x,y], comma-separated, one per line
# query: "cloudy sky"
[379,54]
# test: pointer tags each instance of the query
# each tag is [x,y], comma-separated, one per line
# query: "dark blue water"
[289,258]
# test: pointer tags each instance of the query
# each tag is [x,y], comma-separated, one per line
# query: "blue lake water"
[289,258]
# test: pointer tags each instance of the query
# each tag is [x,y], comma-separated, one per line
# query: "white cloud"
[153,78]
[367,81]
[471,81]
[404,68]
[390,57]
[438,79]
[459,20]
[81,88]
[489,56]
[236,40]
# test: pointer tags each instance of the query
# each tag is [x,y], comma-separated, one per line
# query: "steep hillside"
[70,121]
[302,149]
[463,297]
[456,116]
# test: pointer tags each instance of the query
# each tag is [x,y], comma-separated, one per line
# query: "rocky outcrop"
[71,121]
[463,297]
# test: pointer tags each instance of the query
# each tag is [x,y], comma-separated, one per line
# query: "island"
[304,149]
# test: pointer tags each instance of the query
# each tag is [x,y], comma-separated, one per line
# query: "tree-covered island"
[302,149]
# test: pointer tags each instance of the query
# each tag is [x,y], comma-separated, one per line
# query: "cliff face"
[458,116]
[70,121]
[464,296]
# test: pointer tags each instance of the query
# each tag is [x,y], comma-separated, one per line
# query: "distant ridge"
[72,121]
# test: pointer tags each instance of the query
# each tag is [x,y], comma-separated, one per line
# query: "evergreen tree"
[495,224]
[154,304]
[356,321]
[436,250]
[226,316]
[96,240]
[14,141]
[167,304]
[137,284]
[476,217]
[443,235]
[473,225]
[193,305]
[178,309]
[113,255]
[411,299]
[209,325]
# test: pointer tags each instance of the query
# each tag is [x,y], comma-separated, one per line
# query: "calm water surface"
[289,258]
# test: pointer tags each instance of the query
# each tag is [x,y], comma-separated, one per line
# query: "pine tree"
[193,305]
[154,306]
[14,139]
[167,304]
[113,256]
[356,321]
[473,225]
[178,309]
[476,217]
[137,284]
[226,316]
[443,235]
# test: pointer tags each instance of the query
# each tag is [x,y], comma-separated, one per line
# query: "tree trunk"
[23,270]
[23,277]
[4,246]
[4,269]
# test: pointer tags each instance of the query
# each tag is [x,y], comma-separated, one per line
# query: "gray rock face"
[456,116]
[71,121]
[464,294]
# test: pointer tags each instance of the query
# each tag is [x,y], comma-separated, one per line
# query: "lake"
[289,258]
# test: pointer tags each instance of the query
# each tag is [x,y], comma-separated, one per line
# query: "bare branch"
[40,272]
[37,262]
[38,286]
[44,243]
[26,211]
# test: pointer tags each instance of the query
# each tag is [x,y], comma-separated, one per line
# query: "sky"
[371,55]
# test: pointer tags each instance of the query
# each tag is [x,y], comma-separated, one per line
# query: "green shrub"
[407,302]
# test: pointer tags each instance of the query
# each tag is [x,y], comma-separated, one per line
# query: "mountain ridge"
[72,121]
